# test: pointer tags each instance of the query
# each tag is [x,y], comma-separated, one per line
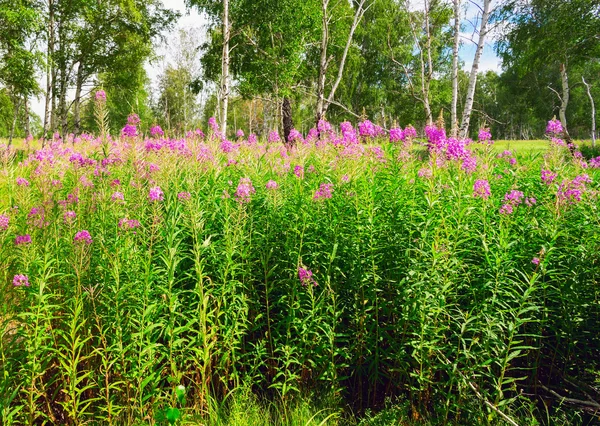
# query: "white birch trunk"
[323,61]
[564,99]
[360,11]
[589,93]
[453,114]
[225,68]
[466,118]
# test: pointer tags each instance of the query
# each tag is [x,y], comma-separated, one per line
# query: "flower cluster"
[4,221]
[83,237]
[366,129]
[239,134]
[271,185]
[554,127]
[299,171]
[128,224]
[156,131]
[481,189]
[512,200]
[100,96]
[485,136]
[23,240]
[324,191]
[548,176]
[396,134]
[21,280]
[156,194]
[274,137]
[184,196]
[306,277]
[22,181]
[571,191]
[244,190]
[295,135]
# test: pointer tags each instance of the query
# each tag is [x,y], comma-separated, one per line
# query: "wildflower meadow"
[146,279]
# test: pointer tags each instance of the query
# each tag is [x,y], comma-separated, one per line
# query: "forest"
[391,61]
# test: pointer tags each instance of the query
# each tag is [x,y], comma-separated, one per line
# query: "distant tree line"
[263,64]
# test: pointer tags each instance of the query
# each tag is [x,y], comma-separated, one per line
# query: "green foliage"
[424,294]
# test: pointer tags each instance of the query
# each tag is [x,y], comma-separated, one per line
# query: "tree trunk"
[49,69]
[360,11]
[466,118]
[27,117]
[453,115]
[587,87]
[323,61]
[564,100]
[17,107]
[225,68]
[77,101]
[425,75]
[286,115]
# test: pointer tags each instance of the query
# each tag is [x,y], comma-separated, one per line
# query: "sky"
[190,18]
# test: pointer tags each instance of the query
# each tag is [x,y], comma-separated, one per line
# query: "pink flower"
[244,190]
[554,127]
[324,191]
[156,194]
[23,240]
[485,135]
[274,137]
[239,134]
[396,134]
[299,171]
[83,237]
[306,277]
[128,224]
[272,185]
[481,188]
[156,131]
[100,96]
[22,181]
[548,177]
[535,260]
[69,216]
[4,220]
[21,280]
[184,196]
[117,196]
[425,173]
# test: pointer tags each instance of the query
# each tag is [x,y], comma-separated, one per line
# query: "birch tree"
[323,102]
[455,46]
[483,29]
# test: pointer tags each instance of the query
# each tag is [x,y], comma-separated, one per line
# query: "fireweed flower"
[82,237]
[184,196]
[244,190]
[324,191]
[395,134]
[295,135]
[554,127]
[129,131]
[156,131]
[22,181]
[117,196]
[212,122]
[512,200]
[366,129]
[571,191]
[271,185]
[548,176]
[299,171]
[133,119]
[481,188]
[23,240]
[535,260]
[69,216]
[156,194]
[530,201]
[20,280]
[252,139]
[4,220]
[274,137]
[425,173]
[128,224]
[485,136]
[239,134]
[100,96]
[306,277]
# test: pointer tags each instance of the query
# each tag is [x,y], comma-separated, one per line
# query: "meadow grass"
[200,280]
